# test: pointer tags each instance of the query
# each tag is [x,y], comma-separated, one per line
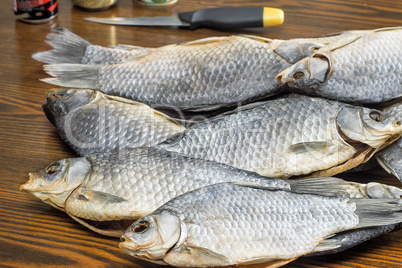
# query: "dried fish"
[292,135]
[205,74]
[231,224]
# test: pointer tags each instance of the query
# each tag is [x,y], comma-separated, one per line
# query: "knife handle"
[226,18]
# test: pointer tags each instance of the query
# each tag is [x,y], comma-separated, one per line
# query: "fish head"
[152,236]
[55,183]
[60,102]
[306,75]
[368,126]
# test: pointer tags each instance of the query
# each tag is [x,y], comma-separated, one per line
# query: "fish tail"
[378,212]
[73,75]
[67,47]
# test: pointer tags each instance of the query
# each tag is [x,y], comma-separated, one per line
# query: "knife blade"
[222,18]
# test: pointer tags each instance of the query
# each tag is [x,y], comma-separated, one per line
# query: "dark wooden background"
[33,234]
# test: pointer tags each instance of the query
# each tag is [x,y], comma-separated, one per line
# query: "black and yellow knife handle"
[226,18]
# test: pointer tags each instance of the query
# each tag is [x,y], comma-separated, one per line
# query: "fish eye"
[298,75]
[53,168]
[397,123]
[141,227]
[377,116]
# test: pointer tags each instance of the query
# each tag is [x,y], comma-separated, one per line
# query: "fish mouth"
[29,187]
[127,245]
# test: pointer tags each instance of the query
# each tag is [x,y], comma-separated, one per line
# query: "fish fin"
[266,262]
[257,38]
[347,239]
[307,147]
[377,212]
[73,75]
[326,186]
[68,47]
[200,256]
[97,196]
[347,40]
[204,41]
[127,47]
[351,163]
[387,167]
[387,29]
[137,103]
[91,225]
[204,108]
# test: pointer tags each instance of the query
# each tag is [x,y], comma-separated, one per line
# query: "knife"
[222,18]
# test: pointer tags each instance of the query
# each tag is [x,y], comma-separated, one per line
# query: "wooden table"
[33,234]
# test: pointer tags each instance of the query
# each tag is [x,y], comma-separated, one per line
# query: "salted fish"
[205,74]
[288,136]
[237,224]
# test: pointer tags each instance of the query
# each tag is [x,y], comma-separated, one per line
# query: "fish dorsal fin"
[347,40]
[354,36]
[397,28]
[308,147]
[204,41]
[127,47]
[156,113]
[198,256]
[257,38]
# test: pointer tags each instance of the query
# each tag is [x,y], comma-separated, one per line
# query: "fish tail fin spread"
[67,47]
[378,212]
[73,75]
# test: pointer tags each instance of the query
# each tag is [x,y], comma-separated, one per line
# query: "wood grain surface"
[33,234]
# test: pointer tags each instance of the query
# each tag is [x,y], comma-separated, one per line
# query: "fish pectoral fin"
[200,256]
[308,147]
[101,197]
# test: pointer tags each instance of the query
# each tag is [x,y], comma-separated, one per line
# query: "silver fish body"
[200,75]
[229,224]
[291,135]
[127,185]
[92,122]
[361,68]
[70,48]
